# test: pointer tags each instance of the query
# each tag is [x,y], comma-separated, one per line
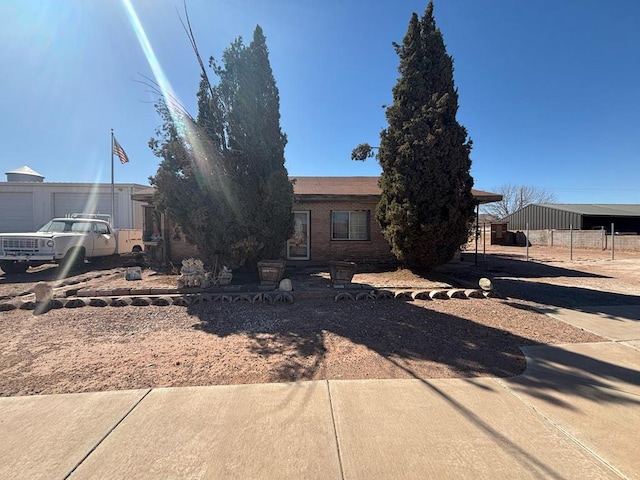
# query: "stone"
[285,285]
[43,291]
[485,284]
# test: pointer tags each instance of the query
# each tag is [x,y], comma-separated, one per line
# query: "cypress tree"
[426,205]
[223,177]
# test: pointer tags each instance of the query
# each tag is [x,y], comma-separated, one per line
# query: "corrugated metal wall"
[542,218]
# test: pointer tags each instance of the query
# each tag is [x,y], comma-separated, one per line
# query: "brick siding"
[324,249]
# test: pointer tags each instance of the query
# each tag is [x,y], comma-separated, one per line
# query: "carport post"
[484,241]
[475,257]
[613,242]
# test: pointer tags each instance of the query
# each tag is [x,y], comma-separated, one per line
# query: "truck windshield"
[60,226]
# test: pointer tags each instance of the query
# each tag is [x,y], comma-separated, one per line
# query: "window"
[350,225]
[102,229]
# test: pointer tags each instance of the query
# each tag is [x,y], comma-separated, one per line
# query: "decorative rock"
[28,305]
[456,293]
[365,296]
[381,294]
[490,294]
[403,295]
[120,302]
[43,291]
[141,301]
[287,298]
[161,301]
[196,299]
[242,298]
[56,303]
[285,285]
[438,294]
[75,303]
[258,298]
[343,296]
[98,302]
[421,295]
[181,301]
[485,284]
[473,293]
[7,307]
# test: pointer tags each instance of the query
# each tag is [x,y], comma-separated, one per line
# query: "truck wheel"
[10,266]
[73,260]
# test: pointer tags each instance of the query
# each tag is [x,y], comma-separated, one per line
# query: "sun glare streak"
[186,128]
[90,206]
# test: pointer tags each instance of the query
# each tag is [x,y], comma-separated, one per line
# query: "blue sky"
[549,91]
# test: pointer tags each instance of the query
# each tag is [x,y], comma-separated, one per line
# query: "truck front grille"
[20,245]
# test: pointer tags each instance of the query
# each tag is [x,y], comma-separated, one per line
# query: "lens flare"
[205,160]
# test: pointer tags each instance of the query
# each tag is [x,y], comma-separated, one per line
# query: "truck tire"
[73,260]
[10,266]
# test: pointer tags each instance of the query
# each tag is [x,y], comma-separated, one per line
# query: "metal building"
[551,216]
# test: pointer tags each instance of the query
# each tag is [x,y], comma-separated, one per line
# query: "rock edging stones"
[143,301]
[410,295]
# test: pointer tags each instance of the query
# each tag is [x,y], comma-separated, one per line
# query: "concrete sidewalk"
[574,414]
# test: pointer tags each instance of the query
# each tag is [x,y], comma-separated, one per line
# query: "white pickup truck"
[67,241]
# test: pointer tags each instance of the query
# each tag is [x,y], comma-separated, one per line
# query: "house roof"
[340,186]
[325,187]
[617,210]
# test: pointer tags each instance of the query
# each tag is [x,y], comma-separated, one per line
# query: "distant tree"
[515,197]
[223,177]
[426,207]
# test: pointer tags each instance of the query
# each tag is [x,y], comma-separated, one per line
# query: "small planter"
[271,271]
[342,272]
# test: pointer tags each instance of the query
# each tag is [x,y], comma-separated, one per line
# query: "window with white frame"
[350,225]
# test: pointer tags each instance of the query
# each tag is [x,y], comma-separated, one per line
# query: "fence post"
[613,242]
[571,242]
[526,241]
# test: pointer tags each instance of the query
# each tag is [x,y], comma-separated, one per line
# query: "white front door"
[298,244]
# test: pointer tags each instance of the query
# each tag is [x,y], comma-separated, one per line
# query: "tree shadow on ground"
[510,266]
[562,296]
[408,337]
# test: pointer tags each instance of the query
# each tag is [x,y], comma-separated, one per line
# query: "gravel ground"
[93,349]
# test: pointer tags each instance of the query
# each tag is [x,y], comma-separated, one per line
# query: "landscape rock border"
[167,296]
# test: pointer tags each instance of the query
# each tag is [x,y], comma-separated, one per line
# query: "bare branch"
[192,39]
[516,197]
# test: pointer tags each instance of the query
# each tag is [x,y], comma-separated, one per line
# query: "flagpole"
[113,220]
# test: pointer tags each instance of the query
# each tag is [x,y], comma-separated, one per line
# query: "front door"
[298,244]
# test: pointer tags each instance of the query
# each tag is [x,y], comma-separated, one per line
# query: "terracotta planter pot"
[271,271]
[342,272]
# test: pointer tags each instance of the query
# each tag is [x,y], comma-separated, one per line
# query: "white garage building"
[27,202]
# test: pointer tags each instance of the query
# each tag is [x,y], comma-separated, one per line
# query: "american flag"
[119,151]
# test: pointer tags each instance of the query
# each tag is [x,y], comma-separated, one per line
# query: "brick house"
[334,219]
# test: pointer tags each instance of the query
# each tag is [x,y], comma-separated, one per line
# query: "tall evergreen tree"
[223,177]
[426,205]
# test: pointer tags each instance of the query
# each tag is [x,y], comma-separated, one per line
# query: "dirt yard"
[92,348]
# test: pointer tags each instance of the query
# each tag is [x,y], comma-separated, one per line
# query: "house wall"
[323,249]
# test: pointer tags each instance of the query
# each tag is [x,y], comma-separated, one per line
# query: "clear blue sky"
[549,90]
